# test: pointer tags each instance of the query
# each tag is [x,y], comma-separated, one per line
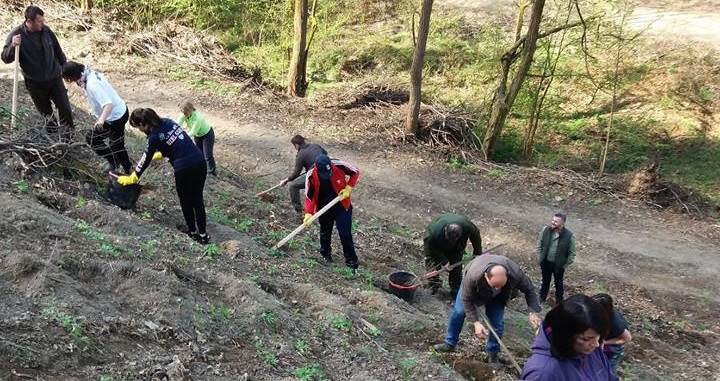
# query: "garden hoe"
[435,273]
[313,218]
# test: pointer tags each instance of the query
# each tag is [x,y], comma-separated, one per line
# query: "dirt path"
[686,22]
[633,245]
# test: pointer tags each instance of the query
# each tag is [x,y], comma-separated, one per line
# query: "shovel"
[313,218]
[13,113]
[268,190]
[502,345]
[435,273]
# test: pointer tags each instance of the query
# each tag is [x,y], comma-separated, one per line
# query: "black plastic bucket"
[123,196]
[403,285]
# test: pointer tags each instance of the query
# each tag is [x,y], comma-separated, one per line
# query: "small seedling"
[276,253]
[269,357]
[310,373]
[273,269]
[147,215]
[341,322]
[269,317]
[22,186]
[302,346]
[346,272]
[105,378]
[80,202]
[406,366]
[212,251]
[220,312]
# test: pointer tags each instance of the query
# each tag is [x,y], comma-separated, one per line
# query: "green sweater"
[196,124]
[442,251]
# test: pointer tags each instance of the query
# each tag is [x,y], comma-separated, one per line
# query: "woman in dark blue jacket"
[167,139]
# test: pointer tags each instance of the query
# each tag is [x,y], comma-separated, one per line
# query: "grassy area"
[665,105]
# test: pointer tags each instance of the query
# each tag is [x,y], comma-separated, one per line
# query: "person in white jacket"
[107,137]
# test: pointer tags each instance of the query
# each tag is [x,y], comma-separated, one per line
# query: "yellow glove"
[345,192]
[307,218]
[128,180]
[157,156]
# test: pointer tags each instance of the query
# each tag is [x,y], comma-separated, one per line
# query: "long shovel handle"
[13,113]
[313,218]
[456,264]
[268,190]
[502,345]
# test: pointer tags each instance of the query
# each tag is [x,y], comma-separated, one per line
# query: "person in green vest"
[201,132]
[556,251]
[444,245]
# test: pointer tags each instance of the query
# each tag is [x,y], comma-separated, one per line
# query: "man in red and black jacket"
[323,182]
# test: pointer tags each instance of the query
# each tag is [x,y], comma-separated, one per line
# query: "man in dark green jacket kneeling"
[444,245]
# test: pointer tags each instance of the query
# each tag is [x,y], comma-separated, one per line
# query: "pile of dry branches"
[181,43]
[36,148]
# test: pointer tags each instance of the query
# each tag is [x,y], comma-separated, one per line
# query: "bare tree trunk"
[504,97]
[616,74]
[297,83]
[411,121]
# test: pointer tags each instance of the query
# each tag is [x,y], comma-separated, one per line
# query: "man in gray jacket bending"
[490,281]
[304,159]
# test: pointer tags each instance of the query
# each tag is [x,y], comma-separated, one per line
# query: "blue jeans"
[495,312]
[614,354]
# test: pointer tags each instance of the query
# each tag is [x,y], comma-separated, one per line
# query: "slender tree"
[411,121]
[297,81]
[505,95]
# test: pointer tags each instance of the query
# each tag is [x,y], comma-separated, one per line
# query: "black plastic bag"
[123,196]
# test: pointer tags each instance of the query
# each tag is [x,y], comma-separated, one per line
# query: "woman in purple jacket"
[568,347]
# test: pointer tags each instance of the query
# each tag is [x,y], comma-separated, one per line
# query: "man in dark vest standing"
[556,251]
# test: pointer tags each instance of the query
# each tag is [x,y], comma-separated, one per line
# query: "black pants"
[342,219]
[114,150]
[206,143]
[43,92]
[548,270]
[190,184]
[454,277]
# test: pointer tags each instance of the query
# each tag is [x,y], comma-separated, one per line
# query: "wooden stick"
[313,218]
[13,121]
[268,190]
[502,345]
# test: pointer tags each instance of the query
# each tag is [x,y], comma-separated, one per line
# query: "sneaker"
[213,172]
[202,239]
[328,258]
[444,348]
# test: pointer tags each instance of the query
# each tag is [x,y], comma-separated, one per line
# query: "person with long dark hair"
[167,139]
[568,347]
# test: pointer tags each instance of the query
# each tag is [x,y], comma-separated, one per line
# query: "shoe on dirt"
[328,258]
[444,348]
[202,239]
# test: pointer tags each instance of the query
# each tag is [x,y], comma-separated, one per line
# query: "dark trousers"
[548,270]
[43,92]
[342,219]
[454,277]
[114,150]
[295,187]
[206,143]
[190,184]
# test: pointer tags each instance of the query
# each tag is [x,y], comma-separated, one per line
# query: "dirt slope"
[90,291]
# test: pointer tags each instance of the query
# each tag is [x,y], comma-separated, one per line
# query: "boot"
[444,348]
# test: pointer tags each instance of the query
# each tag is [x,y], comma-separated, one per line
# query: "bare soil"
[88,290]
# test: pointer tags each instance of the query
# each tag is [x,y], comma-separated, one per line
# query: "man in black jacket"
[304,159]
[41,60]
